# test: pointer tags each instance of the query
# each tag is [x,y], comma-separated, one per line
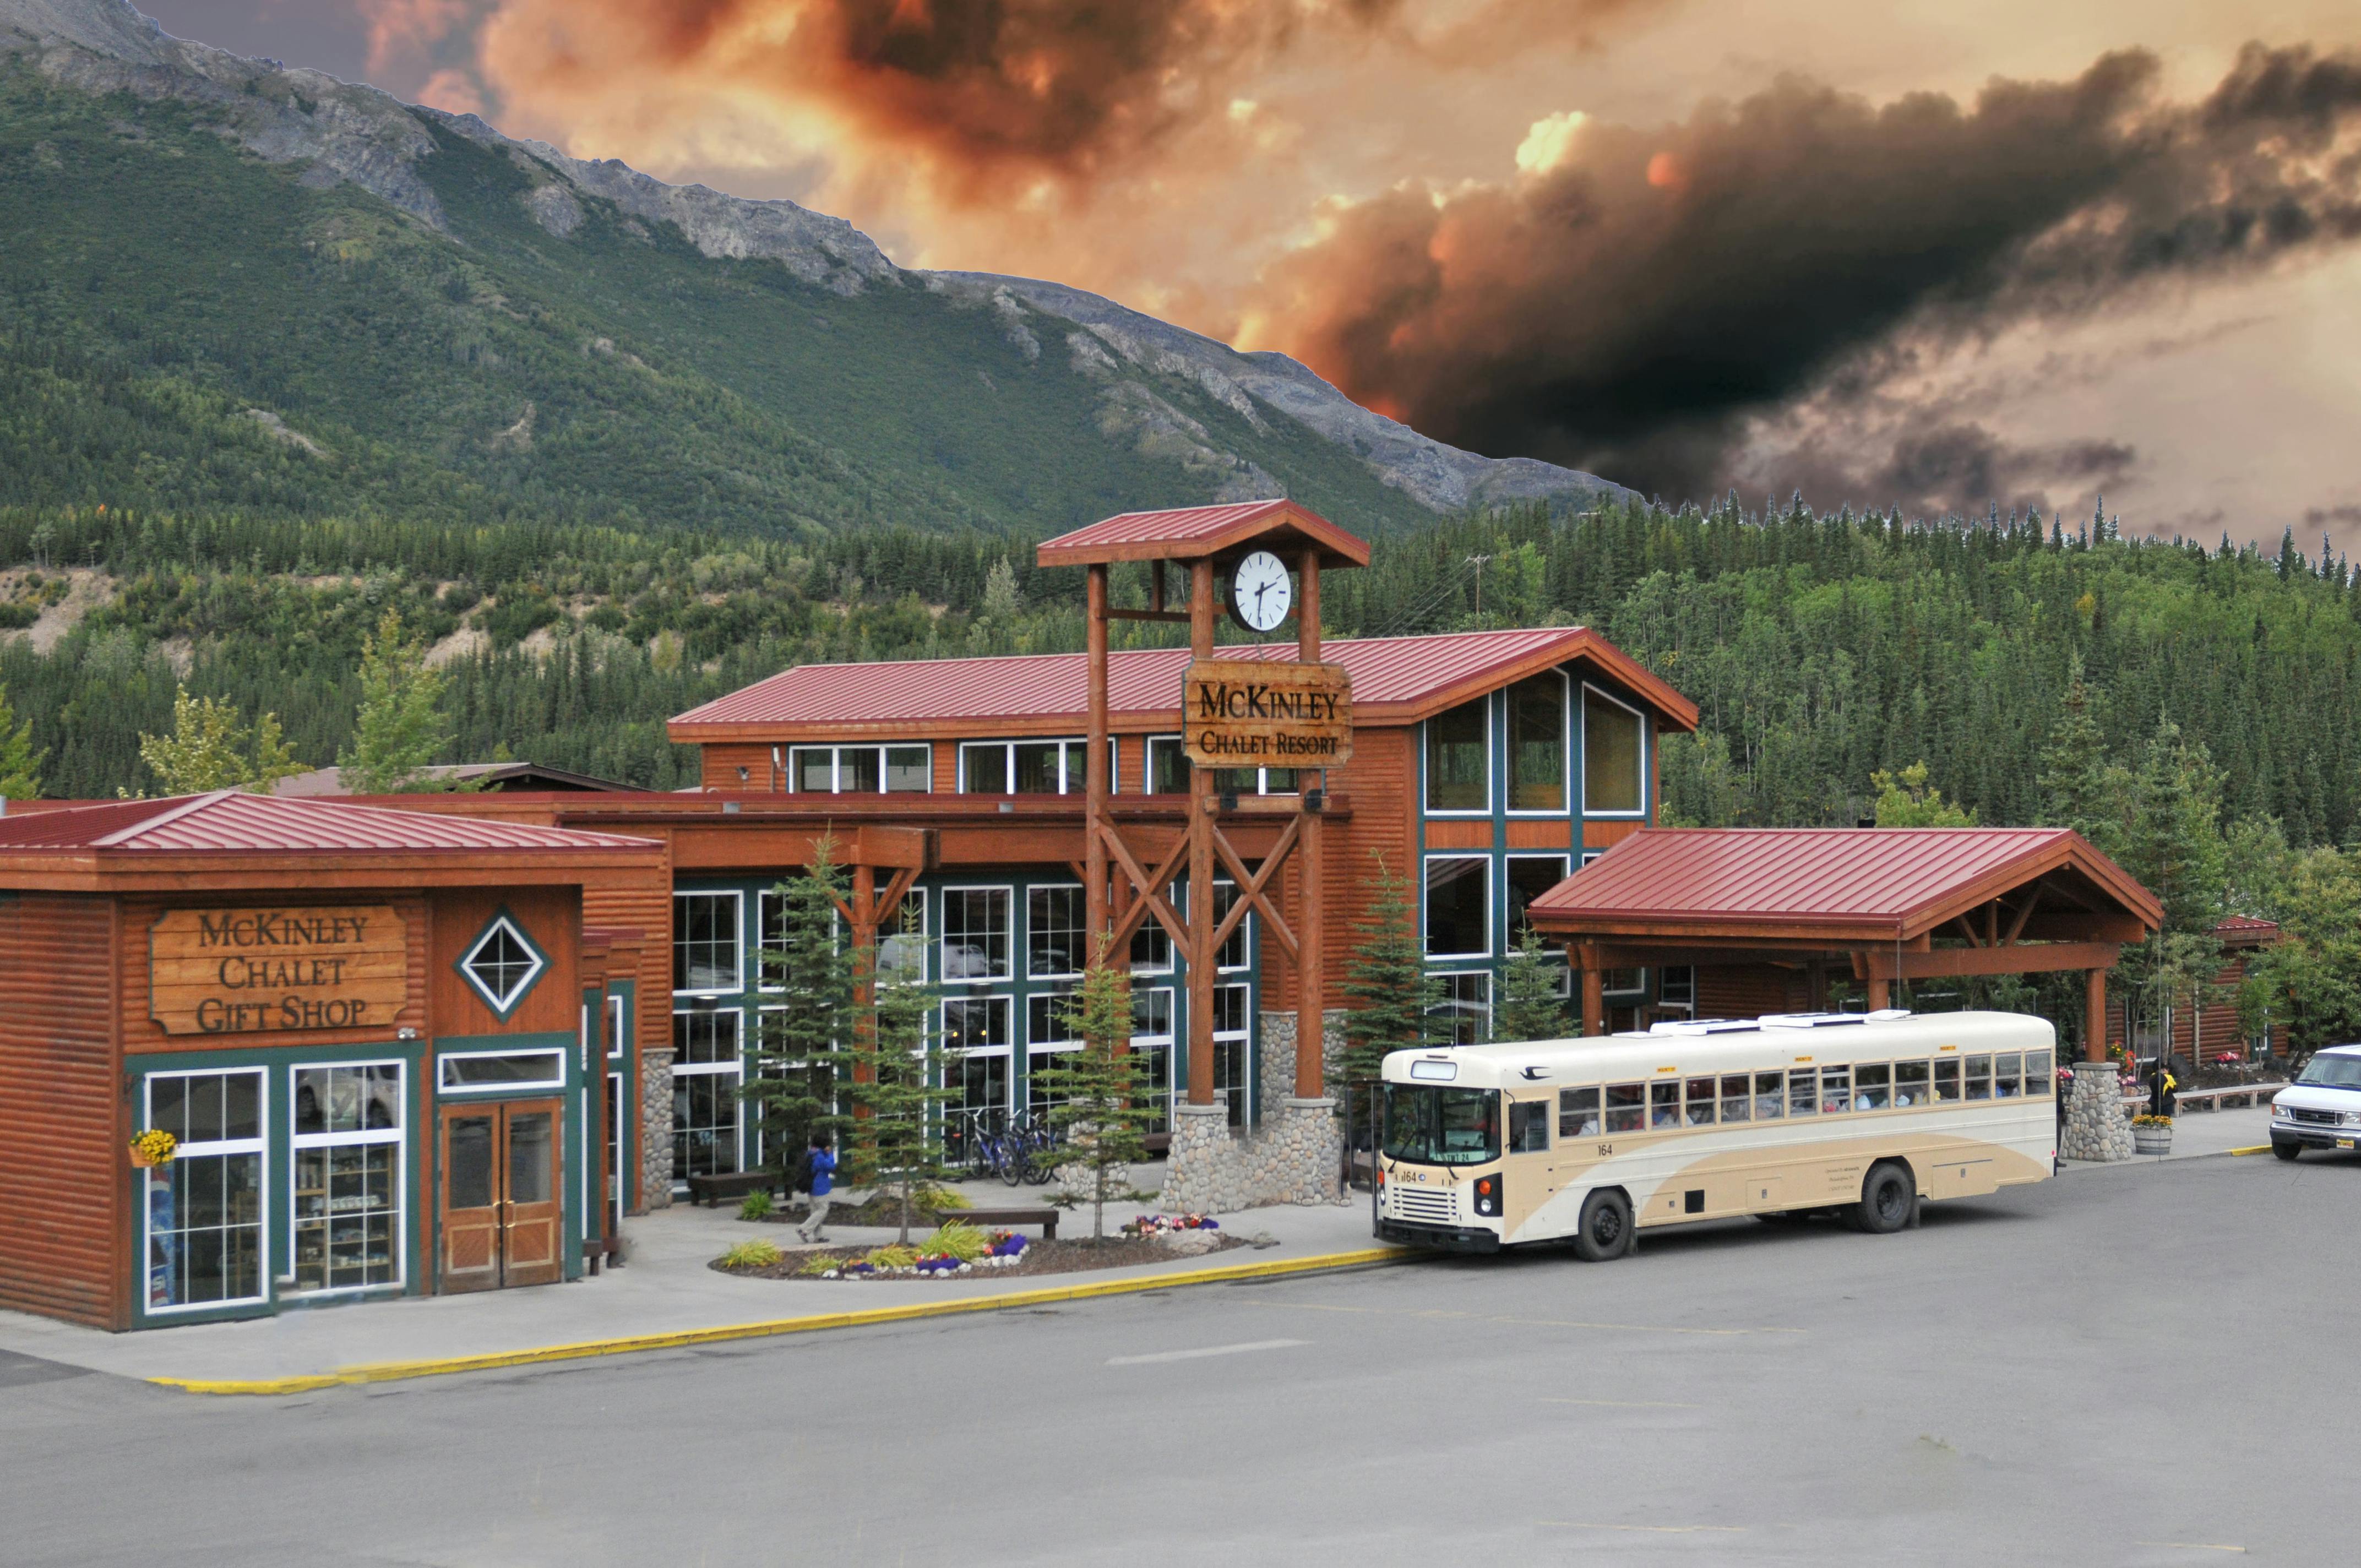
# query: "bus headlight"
[1487,1196]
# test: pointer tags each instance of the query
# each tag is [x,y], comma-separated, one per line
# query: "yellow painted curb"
[2259,1148]
[391,1371]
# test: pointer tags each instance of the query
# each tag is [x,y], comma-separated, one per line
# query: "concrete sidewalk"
[666,1289]
[2199,1135]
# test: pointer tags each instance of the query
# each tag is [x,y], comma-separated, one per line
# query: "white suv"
[2322,1110]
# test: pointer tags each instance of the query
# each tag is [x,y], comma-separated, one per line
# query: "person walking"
[820,1166]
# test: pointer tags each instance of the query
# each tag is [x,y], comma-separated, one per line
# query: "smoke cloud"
[1639,302]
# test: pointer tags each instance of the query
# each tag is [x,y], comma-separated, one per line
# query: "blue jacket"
[823,1166]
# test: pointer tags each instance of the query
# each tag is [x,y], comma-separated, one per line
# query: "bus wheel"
[1605,1229]
[1886,1199]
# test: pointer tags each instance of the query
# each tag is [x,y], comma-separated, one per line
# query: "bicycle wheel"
[1010,1162]
[1041,1162]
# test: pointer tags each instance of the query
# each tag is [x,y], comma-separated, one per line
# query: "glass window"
[1530,876]
[1168,765]
[1046,1015]
[1053,931]
[1232,954]
[1233,1019]
[1624,982]
[1627,1107]
[2038,1075]
[1676,985]
[706,1067]
[770,937]
[1152,1040]
[811,770]
[347,1200]
[1456,746]
[1804,1091]
[1664,1103]
[1699,1112]
[508,1069]
[1577,1112]
[909,770]
[984,768]
[1537,744]
[1465,1010]
[902,939]
[975,933]
[1529,1126]
[1737,1104]
[861,770]
[204,1218]
[1151,948]
[1038,767]
[1980,1085]
[502,966]
[1611,755]
[705,941]
[1872,1086]
[2005,1076]
[1459,906]
[1910,1085]
[1947,1078]
[976,1024]
[1768,1098]
[1835,1089]
[856,770]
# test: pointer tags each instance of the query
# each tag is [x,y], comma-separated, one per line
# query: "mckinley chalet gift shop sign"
[231,972]
[1266,713]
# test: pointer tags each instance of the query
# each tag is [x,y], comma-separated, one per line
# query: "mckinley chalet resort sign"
[1242,713]
[231,972]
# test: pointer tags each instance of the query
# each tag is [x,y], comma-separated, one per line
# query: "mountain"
[226,283]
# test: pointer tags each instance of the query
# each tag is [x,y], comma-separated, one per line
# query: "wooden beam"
[1180,617]
[1275,924]
[2033,958]
[2032,902]
[2094,1015]
[1151,897]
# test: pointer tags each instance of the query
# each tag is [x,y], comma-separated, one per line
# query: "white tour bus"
[1586,1140]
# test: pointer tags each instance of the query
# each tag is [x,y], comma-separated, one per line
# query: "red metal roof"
[1884,881]
[1187,532]
[1395,679]
[233,821]
[2237,923]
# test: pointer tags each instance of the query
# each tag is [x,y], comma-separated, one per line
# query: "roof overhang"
[1283,527]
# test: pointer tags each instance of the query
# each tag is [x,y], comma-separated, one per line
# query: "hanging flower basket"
[153,1147]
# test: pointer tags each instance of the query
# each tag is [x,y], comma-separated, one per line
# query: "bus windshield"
[1428,1126]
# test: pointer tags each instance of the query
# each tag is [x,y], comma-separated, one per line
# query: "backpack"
[799,1175]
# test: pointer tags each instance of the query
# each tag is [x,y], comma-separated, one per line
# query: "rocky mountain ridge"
[356,134]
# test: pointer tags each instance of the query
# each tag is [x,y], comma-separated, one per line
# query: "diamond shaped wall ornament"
[501,964]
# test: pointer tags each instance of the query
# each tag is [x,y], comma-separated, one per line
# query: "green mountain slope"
[158,289]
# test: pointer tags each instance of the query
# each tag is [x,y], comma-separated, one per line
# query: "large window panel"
[1459,906]
[707,1069]
[1458,744]
[346,1197]
[1530,876]
[1537,743]
[975,933]
[1614,756]
[705,941]
[204,1218]
[1463,1016]
[1053,932]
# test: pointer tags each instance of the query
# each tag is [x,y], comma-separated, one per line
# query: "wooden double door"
[503,1221]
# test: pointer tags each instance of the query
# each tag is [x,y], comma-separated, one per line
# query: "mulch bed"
[1038,1258]
[874,1210]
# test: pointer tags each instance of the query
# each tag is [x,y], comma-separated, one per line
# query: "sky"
[2020,253]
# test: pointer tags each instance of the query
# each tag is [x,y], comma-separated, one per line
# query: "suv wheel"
[2286,1148]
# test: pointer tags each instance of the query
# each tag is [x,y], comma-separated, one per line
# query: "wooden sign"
[234,971]
[1255,713]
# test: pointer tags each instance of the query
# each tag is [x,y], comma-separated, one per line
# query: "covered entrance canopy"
[1888,903]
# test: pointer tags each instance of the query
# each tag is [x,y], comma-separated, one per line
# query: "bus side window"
[1577,1112]
[1947,1078]
[1909,1084]
[1768,1100]
[2037,1081]
[1871,1083]
[1804,1091]
[1979,1078]
[1700,1111]
[1627,1107]
[1835,1089]
[1529,1126]
[1664,1103]
[2004,1071]
[1737,1105]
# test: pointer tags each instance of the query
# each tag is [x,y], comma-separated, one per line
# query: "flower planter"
[2151,1140]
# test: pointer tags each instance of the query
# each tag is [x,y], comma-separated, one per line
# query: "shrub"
[937,1199]
[962,1242]
[891,1257]
[757,1206]
[813,1267]
[752,1255]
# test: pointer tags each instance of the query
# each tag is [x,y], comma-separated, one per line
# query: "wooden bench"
[2229,1094]
[1158,1144]
[1044,1218]
[711,1190]
[598,1249]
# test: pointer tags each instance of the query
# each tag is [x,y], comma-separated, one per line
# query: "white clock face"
[1261,594]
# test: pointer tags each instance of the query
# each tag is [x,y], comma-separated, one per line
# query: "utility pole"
[1478,562]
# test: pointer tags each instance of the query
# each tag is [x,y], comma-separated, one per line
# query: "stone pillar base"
[2096,1127]
[1295,1160]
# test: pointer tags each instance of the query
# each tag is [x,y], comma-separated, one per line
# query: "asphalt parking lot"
[2121,1366]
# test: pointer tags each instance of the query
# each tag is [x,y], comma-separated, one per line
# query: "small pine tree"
[1392,996]
[399,728]
[1905,800]
[1532,1001]
[800,1045]
[1098,1102]
[208,748]
[897,1084]
[2079,788]
[20,765]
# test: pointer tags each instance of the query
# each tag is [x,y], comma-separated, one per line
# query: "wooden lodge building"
[551,993]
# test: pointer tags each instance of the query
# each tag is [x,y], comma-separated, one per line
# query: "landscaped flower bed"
[1008,1254]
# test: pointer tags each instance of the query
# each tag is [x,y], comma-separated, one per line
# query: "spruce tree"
[2080,789]
[800,1043]
[1098,1102]
[897,1084]
[399,728]
[20,765]
[1393,997]
[1532,999]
